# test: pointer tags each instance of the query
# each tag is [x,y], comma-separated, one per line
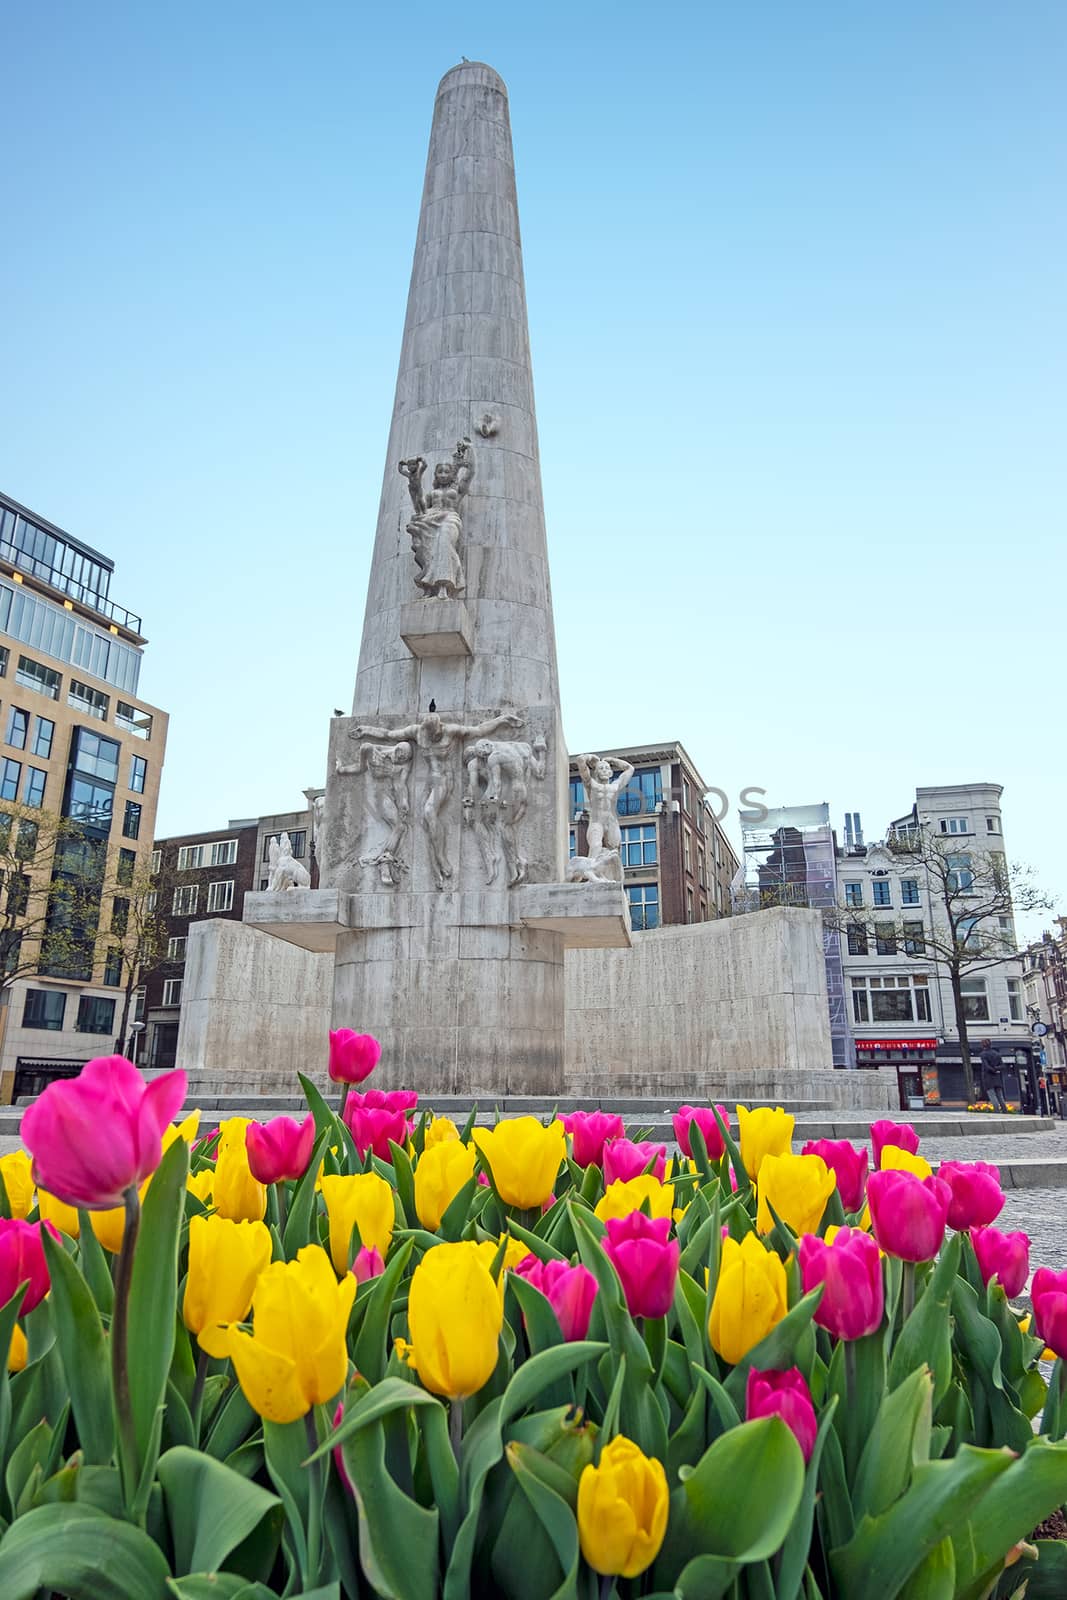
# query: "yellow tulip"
[58,1213]
[750,1297]
[16,1171]
[17,1350]
[226,1260]
[896,1160]
[440,1131]
[187,1129]
[232,1131]
[236,1193]
[622,1197]
[524,1159]
[798,1188]
[622,1510]
[201,1183]
[109,1227]
[455,1312]
[514,1252]
[364,1199]
[439,1176]
[763,1133]
[296,1355]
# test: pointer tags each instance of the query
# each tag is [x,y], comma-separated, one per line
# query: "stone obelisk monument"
[442,840]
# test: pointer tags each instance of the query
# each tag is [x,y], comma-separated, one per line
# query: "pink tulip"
[977,1198]
[902,1134]
[1048,1293]
[1004,1256]
[280,1148]
[908,1214]
[588,1131]
[353,1056]
[623,1160]
[785,1395]
[646,1262]
[372,1129]
[848,1164]
[850,1271]
[338,1458]
[95,1136]
[22,1261]
[704,1118]
[384,1099]
[368,1264]
[570,1291]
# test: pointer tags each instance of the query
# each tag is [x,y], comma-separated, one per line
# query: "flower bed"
[371,1353]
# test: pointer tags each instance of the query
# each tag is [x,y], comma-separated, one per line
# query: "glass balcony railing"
[69,586]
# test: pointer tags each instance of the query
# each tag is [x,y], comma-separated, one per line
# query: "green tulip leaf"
[370,1354]
[212,1510]
[900,1437]
[404,1181]
[216,1586]
[154,1297]
[542,1325]
[926,1337]
[31,1451]
[705,1578]
[1034,1485]
[298,1224]
[935,1576]
[78,1551]
[552,1506]
[793,1556]
[777,1351]
[398,1538]
[1045,1578]
[233,1422]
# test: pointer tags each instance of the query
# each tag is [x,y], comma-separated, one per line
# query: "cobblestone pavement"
[1041,1213]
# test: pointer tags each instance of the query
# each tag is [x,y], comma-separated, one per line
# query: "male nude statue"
[387,800]
[602,794]
[437,739]
[507,765]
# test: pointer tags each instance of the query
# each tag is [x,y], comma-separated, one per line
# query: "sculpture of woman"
[437,525]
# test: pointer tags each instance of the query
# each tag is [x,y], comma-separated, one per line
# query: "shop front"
[915,1063]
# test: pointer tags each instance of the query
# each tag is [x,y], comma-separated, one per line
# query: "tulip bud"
[226,1260]
[440,1174]
[798,1188]
[763,1133]
[440,1130]
[908,1214]
[750,1297]
[524,1159]
[645,1260]
[296,1356]
[619,1199]
[785,1395]
[368,1264]
[850,1271]
[353,1056]
[22,1261]
[374,1129]
[1004,1256]
[901,1134]
[589,1130]
[624,1159]
[363,1200]
[455,1313]
[622,1510]
[704,1118]
[977,1198]
[894,1159]
[280,1148]
[1048,1293]
[570,1291]
[848,1165]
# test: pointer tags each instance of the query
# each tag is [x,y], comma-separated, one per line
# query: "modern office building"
[677,861]
[80,745]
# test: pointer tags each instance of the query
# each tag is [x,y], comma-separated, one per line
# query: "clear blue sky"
[796,287]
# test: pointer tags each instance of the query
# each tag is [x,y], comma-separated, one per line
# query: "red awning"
[896,1044]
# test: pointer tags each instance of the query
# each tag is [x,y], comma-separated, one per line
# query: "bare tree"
[136,942]
[971,892]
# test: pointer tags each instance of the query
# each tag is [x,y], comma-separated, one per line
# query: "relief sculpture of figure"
[437,739]
[498,779]
[604,867]
[437,524]
[388,802]
[286,872]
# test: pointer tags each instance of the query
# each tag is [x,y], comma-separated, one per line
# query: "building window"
[113,968]
[975,999]
[687,855]
[96,1014]
[644,792]
[126,867]
[33,675]
[860,1010]
[185,898]
[90,803]
[891,1004]
[157,861]
[689,905]
[18,723]
[96,754]
[702,869]
[190,856]
[4,653]
[967,936]
[220,895]
[150,900]
[224,852]
[882,891]
[176,949]
[992,824]
[83,697]
[297,838]
[10,772]
[853,894]
[914,943]
[138,772]
[577,800]
[1016,1010]
[33,788]
[885,939]
[572,847]
[43,733]
[922,1001]
[264,883]
[172,991]
[44,1008]
[138,1004]
[687,798]
[857,939]
[909,891]
[960,876]
[120,916]
[131,822]
[644,905]
[955,825]
[131,720]
[638,845]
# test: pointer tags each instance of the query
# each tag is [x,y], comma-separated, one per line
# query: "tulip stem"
[279,1195]
[607,1586]
[198,1389]
[850,1373]
[346,1089]
[120,1343]
[907,1292]
[455,1429]
[315,1500]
